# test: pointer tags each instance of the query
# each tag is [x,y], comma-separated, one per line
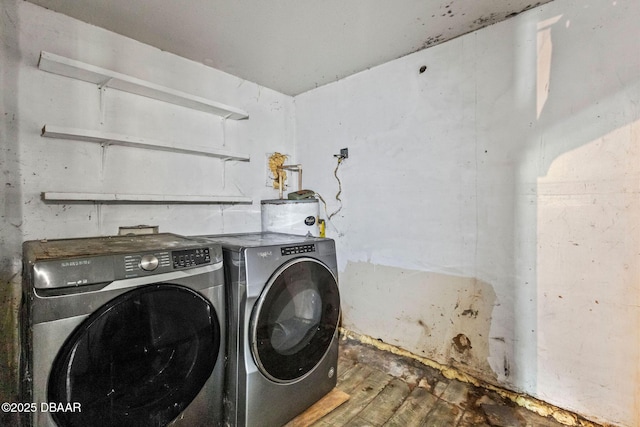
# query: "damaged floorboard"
[390,390]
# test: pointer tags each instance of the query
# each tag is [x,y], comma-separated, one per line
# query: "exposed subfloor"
[390,390]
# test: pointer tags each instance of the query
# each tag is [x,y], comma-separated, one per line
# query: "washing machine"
[123,331]
[284,309]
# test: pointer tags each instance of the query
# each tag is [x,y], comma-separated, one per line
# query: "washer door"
[295,319]
[139,360]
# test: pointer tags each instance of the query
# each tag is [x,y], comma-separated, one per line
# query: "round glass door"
[294,320]
[139,360]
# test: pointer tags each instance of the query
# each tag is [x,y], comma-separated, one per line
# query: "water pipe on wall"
[292,168]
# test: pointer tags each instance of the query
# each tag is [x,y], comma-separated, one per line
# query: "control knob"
[149,262]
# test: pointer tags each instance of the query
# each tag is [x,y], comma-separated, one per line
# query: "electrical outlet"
[344,154]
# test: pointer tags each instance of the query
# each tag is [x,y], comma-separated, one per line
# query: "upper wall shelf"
[107,78]
[131,141]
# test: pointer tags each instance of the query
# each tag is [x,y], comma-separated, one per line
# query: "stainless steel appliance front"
[130,330]
[284,309]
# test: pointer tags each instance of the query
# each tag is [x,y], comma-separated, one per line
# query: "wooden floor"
[389,390]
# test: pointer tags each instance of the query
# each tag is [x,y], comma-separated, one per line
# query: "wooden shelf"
[141,198]
[107,78]
[130,141]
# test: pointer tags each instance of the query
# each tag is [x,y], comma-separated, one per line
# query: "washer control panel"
[191,257]
[89,261]
[147,262]
[298,249]
[165,261]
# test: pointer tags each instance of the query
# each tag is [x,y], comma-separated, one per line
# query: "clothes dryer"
[284,309]
[123,331]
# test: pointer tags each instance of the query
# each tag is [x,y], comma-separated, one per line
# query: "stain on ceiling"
[291,46]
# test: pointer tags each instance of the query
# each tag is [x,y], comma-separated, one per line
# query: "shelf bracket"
[103,159]
[102,87]
[223,123]
[105,83]
[99,215]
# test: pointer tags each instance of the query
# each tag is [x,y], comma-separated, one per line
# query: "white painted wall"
[50,165]
[32,98]
[496,195]
[493,196]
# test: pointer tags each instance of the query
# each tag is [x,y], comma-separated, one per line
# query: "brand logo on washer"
[310,220]
[264,254]
[79,263]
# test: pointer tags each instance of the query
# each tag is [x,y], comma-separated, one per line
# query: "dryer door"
[139,360]
[295,319]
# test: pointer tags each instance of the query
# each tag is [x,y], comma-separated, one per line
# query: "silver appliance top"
[107,245]
[66,263]
[261,239]
[287,201]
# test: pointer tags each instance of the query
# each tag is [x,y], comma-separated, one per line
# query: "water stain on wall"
[442,317]
[461,343]
[11,224]
[9,302]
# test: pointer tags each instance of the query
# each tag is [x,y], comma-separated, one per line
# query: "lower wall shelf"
[51,196]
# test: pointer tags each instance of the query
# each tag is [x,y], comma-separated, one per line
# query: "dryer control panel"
[298,249]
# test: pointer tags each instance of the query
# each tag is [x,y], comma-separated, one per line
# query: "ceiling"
[291,46]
